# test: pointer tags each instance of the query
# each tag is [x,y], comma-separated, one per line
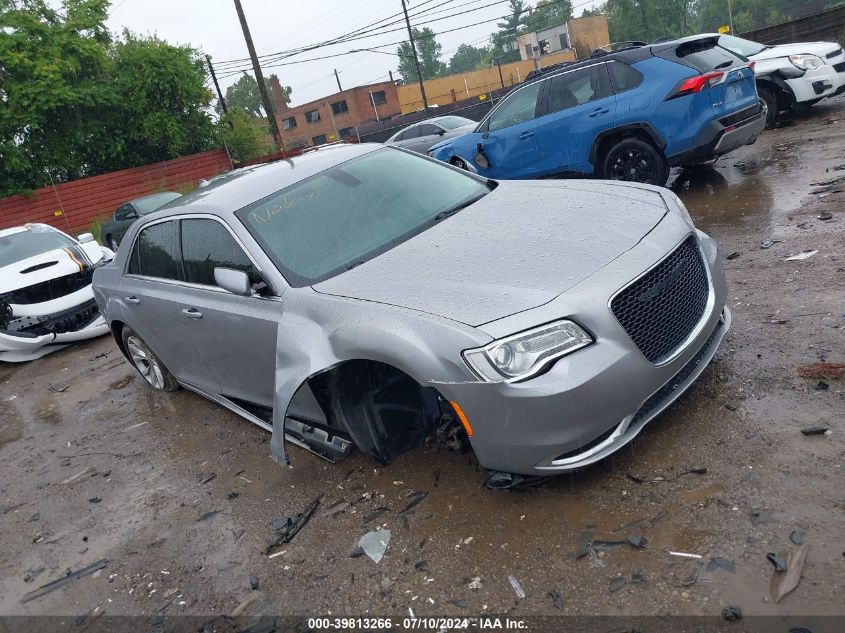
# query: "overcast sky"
[279,25]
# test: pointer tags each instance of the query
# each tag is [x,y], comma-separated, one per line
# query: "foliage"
[428,52]
[466,58]
[243,135]
[244,94]
[548,13]
[505,37]
[75,103]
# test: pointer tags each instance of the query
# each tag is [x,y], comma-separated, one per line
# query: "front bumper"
[821,82]
[591,403]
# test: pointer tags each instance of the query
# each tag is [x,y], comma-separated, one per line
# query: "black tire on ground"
[152,370]
[634,160]
[112,243]
[772,103]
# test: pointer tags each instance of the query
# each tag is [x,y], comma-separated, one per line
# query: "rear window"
[703,55]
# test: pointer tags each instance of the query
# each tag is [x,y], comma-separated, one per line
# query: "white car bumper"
[821,82]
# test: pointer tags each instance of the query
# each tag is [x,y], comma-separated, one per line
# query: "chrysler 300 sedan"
[361,295]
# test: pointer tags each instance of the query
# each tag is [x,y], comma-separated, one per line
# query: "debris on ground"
[557,599]
[95,500]
[374,544]
[65,580]
[822,370]
[616,584]
[417,497]
[785,580]
[372,516]
[815,430]
[824,216]
[637,541]
[731,613]
[88,471]
[717,562]
[461,604]
[232,495]
[821,386]
[475,583]
[758,517]
[205,478]
[253,582]
[798,537]
[57,389]
[335,508]
[769,243]
[646,479]
[800,256]
[583,544]
[778,562]
[733,255]
[243,606]
[520,592]
[288,527]
[691,577]
[208,515]
[685,554]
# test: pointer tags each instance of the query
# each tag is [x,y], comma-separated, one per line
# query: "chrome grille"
[661,308]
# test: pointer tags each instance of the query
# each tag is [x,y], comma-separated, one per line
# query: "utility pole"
[501,79]
[416,59]
[390,73]
[265,98]
[338,80]
[731,17]
[216,85]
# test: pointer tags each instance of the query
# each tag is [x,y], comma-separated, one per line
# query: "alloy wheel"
[633,165]
[145,362]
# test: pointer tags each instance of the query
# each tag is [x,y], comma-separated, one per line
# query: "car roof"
[627,56]
[153,195]
[225,196]
[26,227]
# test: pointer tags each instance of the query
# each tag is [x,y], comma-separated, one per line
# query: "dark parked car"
[420,137]
[114,230]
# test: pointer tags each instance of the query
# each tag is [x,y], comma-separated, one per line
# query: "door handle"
[132,299]
[599,111]
[192,313]
[525,135]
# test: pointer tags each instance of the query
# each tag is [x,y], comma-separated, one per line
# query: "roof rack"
[324,146]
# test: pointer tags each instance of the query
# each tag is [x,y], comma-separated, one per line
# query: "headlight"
[806,62]
[522,355]
[674,202]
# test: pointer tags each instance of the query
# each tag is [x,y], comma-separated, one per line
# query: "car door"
[407,137]
[429,134]
[508,137]
[235,336]
[149,293]
[578,105]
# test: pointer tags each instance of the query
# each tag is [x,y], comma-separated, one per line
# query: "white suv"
[790,75]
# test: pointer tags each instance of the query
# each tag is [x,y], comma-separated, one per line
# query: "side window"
[207,244]
[158,251]
[624,77]
[411,132]
[578,87]
[427,129]
[134,259]
[520,106]
[122,212]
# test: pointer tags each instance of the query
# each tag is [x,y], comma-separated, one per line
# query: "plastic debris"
[208,515]
[824,216]
[685,554]
[733,255]
[418,496]
[800,256]
[475,583]
[557,599]
[639,578]
[784,581]
[374,544]
[798,537]
[637,541]
[616,584]
[205,478]
[65,580]
[335,508]
[691,578]
[253,582]
[232,495]
[732,613]
[778,562]
[815,430]
[520,592]
[288,527]
[768,243]
[95,500]
[88,471]
[717,562]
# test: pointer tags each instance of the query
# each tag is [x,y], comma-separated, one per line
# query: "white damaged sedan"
[46,300]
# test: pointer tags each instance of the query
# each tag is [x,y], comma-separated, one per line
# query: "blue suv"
[628,115]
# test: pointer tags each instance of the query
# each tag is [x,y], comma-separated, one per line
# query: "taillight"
[697,84]
[751,65]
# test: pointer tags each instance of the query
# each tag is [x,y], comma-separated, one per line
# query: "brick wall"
[85,200]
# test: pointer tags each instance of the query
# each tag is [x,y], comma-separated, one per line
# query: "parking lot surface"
[178,495]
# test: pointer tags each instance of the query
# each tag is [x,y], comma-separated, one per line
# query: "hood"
[460,131]
[810,48]
[517,248]
[447,141]
[46,266]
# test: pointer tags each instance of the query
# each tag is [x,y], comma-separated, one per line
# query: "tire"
[772,103]
[634,160]
[458,162]
[112,243]
[147,364]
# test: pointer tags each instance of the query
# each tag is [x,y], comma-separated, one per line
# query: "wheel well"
[780,88]
[383,410]
[116,328]
[603,144]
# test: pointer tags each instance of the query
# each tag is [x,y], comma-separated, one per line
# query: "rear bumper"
[722,136]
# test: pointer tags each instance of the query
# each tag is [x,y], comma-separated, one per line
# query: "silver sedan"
[422,136]
[363,295]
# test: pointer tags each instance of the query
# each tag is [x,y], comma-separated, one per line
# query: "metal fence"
[826,25]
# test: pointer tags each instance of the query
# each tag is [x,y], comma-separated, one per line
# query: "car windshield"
[737,45]
[29,243]
[354,211]
[452,122]
[156,201]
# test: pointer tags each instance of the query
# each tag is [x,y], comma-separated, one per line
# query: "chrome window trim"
[708,307]
[188,284]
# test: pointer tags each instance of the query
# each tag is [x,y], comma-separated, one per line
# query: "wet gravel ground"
[179,495]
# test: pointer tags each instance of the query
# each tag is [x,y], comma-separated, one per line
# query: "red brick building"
[333,118]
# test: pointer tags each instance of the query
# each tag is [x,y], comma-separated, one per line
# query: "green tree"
[505,37]
[466,58]
[648,20]
[244,94]
[428,51]
[244,136]
[548,13]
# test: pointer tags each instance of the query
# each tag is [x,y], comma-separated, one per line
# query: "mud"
[175,545]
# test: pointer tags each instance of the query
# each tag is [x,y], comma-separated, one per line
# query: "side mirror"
[85,238]
[131,215]
[441,132]
[235,281]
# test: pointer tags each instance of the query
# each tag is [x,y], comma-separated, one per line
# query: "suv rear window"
[703,55]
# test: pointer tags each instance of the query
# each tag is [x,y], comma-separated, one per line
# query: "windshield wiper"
[463,205]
